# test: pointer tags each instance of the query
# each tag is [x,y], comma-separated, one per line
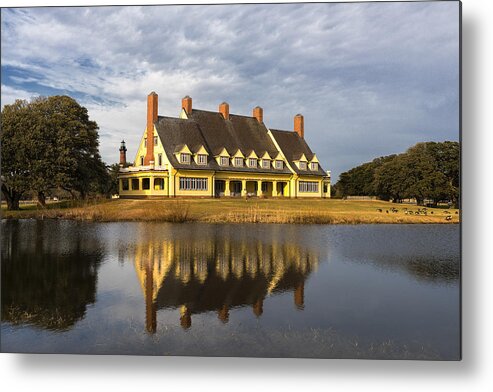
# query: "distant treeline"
[426,171]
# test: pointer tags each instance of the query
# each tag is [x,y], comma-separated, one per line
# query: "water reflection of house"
[217,275]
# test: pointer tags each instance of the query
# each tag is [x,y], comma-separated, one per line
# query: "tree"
[428,170]
[47,143]
[15,119]
[359,180]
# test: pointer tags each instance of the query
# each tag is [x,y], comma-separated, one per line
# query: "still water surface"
[365,291]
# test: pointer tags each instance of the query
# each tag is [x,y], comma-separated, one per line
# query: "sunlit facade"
[218,154]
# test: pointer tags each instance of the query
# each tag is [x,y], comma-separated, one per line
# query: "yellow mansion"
[218,154]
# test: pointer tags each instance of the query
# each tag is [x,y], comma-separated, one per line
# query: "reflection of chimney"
[258,307]
[152,100]
[299,125]
[224,110]
[223,314]
[299,296]
[185,317]
[258,113]
[186,104]
[150,305]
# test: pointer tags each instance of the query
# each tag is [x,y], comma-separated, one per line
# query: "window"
[202,159]
[158,184]
[302,165]
[135,184]
[146,183]
[279,164]
[193,184]
[125,184]
[308,186]
[185,158]
[314,166]
[145,142]
[326,188]
[160,159]
[238,161]
[252,162]
[155,140]
[265,163]
[224,161]
[141,160]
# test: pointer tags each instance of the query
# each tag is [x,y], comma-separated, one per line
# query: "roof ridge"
[230,114]
[282,130]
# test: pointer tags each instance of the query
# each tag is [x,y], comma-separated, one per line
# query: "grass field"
[323,211]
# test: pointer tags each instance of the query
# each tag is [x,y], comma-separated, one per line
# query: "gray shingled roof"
[212,131]
[242,132]
[293,147]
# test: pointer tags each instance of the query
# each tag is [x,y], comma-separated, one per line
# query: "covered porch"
[250,188]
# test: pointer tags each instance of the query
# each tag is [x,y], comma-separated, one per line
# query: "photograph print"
[235,180]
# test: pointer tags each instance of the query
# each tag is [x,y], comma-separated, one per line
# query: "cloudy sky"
[371,79]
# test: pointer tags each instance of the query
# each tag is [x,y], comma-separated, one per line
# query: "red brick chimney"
[186,104]
[123,154]
[152,100]
[299,125]
[224,110]
[258,113]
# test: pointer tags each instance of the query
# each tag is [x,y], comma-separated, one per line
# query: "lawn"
[332,211]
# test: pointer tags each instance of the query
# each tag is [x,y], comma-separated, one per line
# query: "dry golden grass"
[317,211]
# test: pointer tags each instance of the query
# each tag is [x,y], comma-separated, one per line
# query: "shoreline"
[320,211]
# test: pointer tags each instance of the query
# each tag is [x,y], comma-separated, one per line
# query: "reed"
[238,211]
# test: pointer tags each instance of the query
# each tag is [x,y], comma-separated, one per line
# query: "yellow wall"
[157,150]
[309,194]
[172,184]
[140,176]
[195,174]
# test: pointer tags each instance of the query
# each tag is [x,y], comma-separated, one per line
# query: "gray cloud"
[371,78]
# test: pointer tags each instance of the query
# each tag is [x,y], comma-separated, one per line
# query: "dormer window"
[224,161]
[279,164]
[185,158]
[265,164]
[302,165]
[314,166]
[252,162]
[202,159]
[238,161]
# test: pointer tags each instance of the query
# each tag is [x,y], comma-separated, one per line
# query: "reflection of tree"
[423,268]
[48,276]
[434,270]
[217,271]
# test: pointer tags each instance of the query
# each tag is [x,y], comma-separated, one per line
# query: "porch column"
[243,188]
[274,188]
[259,188]
[226,188]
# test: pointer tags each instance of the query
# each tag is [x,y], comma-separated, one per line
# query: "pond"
[322,291]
